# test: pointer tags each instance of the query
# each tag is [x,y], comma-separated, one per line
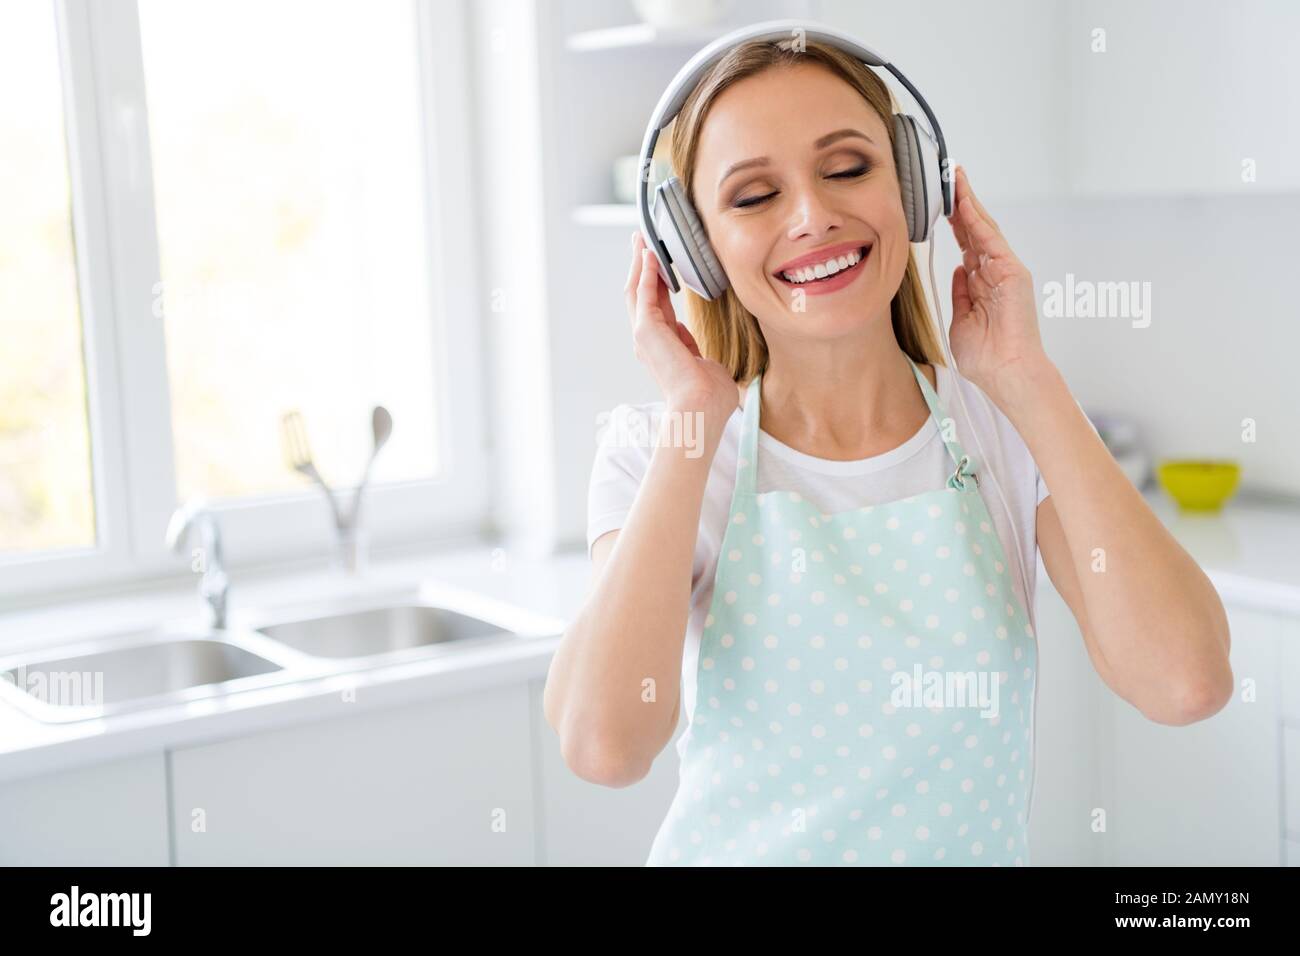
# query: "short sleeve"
[622,458]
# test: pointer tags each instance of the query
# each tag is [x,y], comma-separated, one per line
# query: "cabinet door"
[447,782]
[1289,652]
[590,825]
[108,814]
[1207,793]
[1068,782]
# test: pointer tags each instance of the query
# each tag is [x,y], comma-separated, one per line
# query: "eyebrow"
[822,143]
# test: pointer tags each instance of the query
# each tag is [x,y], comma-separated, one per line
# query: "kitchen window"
[46,499]
[230,210]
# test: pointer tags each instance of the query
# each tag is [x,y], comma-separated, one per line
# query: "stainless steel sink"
[384,630]
[177,663]
[135,670]
[376,630]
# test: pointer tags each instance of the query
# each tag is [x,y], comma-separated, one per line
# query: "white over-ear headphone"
[674,232]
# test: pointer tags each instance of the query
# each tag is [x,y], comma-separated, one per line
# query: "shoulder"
[625,433]
[980,422]
[624,417]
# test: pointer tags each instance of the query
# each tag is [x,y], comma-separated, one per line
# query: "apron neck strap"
[747,465]
[747,462]
[947,425]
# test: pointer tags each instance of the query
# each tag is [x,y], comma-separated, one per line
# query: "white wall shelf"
[642,35]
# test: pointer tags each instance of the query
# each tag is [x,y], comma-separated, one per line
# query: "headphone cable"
[1024,578]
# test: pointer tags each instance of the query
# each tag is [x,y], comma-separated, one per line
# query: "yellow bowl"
[1199,485]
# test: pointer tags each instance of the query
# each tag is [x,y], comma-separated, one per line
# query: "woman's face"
[816,190]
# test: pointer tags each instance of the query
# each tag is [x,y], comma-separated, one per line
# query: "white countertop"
[553,586]
[1251,552]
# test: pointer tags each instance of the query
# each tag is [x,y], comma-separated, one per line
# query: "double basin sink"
[177,663]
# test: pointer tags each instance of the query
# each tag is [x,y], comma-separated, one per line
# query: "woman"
[819,582]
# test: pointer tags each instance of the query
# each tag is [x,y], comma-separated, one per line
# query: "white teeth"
[823,269]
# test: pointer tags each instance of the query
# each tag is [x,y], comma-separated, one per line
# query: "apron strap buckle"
[965,469]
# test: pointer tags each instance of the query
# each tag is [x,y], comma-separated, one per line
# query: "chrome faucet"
[215,584]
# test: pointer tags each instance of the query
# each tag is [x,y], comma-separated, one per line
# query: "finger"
[655,341]
[688,340]
[984,237]
[971,251]
[983,288]
[977,287]
[961,301]
[955,220]
[629,290]
[649,282]
[975,199]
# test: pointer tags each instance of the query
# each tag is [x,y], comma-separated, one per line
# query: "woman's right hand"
[688,380]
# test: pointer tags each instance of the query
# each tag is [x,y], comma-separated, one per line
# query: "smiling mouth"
[862,254]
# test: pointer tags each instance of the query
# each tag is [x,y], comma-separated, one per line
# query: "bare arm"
[613,687]
[612,693]
[1153,623]
[1155,627]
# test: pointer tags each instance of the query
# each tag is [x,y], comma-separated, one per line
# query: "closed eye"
[853,173]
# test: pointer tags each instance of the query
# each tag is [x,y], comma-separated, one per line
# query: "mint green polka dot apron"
[865,684]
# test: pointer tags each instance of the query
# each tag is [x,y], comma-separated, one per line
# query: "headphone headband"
[670,104]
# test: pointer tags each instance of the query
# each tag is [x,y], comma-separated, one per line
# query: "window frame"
[128,399]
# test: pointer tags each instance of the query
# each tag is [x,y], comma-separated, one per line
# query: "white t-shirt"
[920,464]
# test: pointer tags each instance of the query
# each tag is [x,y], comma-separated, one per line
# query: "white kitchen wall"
[1223,335]
[1022,101]
[1039,120]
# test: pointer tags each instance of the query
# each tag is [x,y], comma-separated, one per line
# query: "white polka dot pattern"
[800,750]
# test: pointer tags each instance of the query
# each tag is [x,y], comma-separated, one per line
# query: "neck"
[844,399]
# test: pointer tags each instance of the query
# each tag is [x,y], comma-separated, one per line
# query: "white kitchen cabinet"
[1182,96]
[1207,793]
[1068,782]
[587,824]
[1291,780]
[445,782]
[1289,653]
[106,814]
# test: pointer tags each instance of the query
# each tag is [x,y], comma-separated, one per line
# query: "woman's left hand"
[994,331]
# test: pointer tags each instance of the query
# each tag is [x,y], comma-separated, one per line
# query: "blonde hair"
[724,329]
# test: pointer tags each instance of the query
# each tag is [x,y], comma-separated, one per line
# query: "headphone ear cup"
[916,157]
[688,244]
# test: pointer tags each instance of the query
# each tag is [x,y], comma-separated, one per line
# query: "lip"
[836,282]
[820,255]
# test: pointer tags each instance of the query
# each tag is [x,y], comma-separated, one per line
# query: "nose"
[814,213]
